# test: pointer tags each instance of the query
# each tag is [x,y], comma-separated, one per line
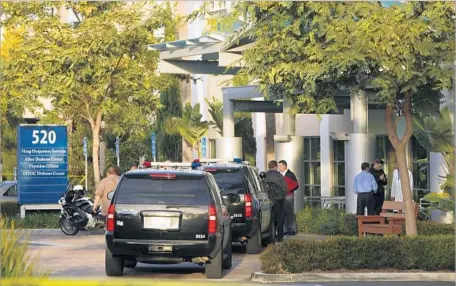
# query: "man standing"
[365,186]
[396,187]
[380,178]
[105,186]
[276,187]
[292,186]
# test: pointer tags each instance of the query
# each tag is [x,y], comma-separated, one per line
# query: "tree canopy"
[311,51]
[96,67]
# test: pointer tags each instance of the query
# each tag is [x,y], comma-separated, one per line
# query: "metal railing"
[325,202]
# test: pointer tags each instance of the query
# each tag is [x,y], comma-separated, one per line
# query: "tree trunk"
[399,146]
[96,148]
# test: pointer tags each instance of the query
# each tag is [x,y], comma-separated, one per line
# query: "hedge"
[428,253]
[337,222]
[9,209]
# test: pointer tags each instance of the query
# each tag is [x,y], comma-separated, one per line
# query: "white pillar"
[359,112]
[259,129]
[437,170]
[359,148]
[326,157]
[293,153]
[228,148]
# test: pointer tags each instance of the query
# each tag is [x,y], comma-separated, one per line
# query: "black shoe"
[292,233]
[286,233]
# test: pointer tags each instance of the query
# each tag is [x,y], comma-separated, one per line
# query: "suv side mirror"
[110,195]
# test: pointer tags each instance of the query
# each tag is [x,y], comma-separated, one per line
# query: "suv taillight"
[212,228]
[110,218]
[248,205]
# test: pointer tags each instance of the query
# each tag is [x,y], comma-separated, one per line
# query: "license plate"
[160,248]
[161,223]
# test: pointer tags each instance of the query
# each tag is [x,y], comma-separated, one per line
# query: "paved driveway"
[83,257]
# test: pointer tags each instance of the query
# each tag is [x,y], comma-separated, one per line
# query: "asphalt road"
[82,257]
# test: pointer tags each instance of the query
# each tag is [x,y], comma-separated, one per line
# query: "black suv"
[248,204]
[167,216]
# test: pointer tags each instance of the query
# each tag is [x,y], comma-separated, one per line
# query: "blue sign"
[42,155]
[204,147]
[153,138]
[84,146]
[117,147]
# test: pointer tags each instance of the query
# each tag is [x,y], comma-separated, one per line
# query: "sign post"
[118,151]
[153,138]
[84,146]
[42,156]
[204,147]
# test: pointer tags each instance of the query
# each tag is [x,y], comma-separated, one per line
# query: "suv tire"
[114,266]
[254,243]
[228,261]
[213,270]
[271,239]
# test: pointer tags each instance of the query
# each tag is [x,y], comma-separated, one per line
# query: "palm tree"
[435,133]
[215,108]
[189,126]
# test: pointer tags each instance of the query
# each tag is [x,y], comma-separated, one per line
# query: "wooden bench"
[389,221]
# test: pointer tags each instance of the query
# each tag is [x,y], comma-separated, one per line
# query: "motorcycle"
[77,212]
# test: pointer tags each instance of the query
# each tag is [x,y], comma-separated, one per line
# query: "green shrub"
[15,262]
[432,228]
[35,221]
[337,222]
[326,222]
[9,209]
[373,252]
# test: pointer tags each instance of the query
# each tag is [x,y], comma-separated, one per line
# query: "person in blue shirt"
[365,186]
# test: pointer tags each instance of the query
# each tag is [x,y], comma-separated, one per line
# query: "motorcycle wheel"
[68,227]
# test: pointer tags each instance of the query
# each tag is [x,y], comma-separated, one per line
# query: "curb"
[58,231]
[354,276]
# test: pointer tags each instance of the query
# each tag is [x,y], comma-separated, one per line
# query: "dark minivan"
[247,202]
[170,216]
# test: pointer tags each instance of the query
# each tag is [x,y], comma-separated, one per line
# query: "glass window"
[11,192]
[312,168]
[420,170]
[339,168]
[183,191]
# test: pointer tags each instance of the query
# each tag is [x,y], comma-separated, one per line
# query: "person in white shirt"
[396,187]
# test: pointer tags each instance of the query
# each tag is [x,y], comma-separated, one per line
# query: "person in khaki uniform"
[105,186]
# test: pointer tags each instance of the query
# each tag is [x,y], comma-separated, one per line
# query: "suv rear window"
[229,179]
[180,191]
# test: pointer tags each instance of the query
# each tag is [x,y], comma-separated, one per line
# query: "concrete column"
[289,120]
[228,148]
[293,153]
[326,157]
[359,112]
[259,129]
[228,117]
[437,170]
[358,149]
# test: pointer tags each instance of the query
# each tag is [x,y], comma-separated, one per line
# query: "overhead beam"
[195,67]
[258,106]
[189,51]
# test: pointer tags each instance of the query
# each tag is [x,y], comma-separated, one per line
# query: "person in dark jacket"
[380,177]
[292,185]
[274,176]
